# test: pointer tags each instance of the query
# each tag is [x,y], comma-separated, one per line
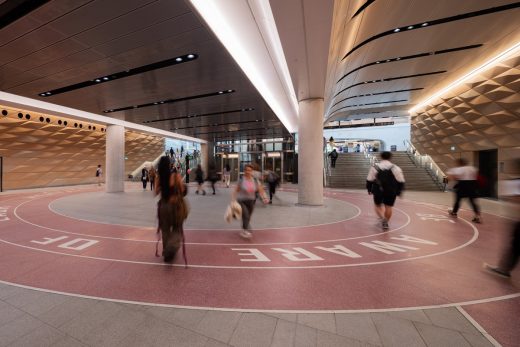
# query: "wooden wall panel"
[482,114]
[41,154]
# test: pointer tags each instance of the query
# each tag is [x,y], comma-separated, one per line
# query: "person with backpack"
[151,176]
[333,156]
[273,181]
[385,181]
[245,194]
[466,187]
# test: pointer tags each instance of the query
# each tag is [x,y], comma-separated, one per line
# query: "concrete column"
[310,152]
[204,152]
[115,159]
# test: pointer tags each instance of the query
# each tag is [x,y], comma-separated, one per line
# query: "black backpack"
[386,181]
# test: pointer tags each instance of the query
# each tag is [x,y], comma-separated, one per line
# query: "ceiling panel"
[81,41]
[495,31]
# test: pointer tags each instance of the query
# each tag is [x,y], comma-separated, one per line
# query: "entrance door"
[488,170]
[233,165]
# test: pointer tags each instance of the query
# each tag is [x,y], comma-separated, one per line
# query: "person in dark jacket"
[212,175]
[333,156]
[199,177]
[144,177]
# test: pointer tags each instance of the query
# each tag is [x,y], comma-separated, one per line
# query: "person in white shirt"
[385,181]
[466,187]
[99,174]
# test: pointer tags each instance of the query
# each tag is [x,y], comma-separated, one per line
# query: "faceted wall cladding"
[482,114]
[58,152]
[140,148]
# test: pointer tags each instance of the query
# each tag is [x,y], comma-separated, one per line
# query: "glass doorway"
[233,165]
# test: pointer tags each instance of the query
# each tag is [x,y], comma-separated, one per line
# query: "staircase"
[352,169]
[350,172]
[417,178]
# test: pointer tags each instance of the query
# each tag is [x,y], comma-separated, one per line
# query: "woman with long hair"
[172,210]
[245,194]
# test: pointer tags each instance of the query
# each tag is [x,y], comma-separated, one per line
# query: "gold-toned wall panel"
[41,154]
[482,114]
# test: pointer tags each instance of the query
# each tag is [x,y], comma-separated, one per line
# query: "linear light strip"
[234,25]
[488,64]
[170,101]
[429,23]
[122,74]
[390,79]
[414,56]
[380,93]
[228,123]
[199,115]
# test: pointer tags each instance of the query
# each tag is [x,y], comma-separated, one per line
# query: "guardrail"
[425,161]
[326,169]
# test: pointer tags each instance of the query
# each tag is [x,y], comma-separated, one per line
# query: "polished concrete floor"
[332,278]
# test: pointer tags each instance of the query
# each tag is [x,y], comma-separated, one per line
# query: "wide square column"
[115,159]
[310,152]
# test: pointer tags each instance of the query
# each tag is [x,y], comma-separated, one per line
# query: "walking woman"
[245,195]
[227,175]
[172,210]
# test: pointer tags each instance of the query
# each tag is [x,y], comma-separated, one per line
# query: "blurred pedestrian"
[144,177]
[99,174]
[227,175]
[212,175]
[151,177]
[172,210]
[273,180]
[509,258]
[466,187]
[199,178]
[245,194]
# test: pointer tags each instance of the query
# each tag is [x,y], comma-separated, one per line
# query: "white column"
[115,159]
[204,157]
[310,152]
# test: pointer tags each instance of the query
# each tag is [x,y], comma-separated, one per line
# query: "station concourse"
[277,84]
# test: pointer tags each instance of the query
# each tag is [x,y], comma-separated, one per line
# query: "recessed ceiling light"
[105,78]
[178,59]
[48,93]
[377,62]
[424,24]
[42,94]
[397,30]
[191,56]
[365,82]
[221,92]
[387,60]
[97,80]
[161,102]
[432,53]
[230,90]
[397,58]
[155,103]
[410,27]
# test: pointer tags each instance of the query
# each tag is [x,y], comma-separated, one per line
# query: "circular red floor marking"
[428,259]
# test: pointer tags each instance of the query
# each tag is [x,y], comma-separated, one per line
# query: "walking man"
[385,181]
[466,187]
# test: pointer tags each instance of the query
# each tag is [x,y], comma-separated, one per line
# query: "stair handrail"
[425,161]
[326,168]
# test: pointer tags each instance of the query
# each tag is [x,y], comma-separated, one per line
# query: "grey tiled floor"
[34,318]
